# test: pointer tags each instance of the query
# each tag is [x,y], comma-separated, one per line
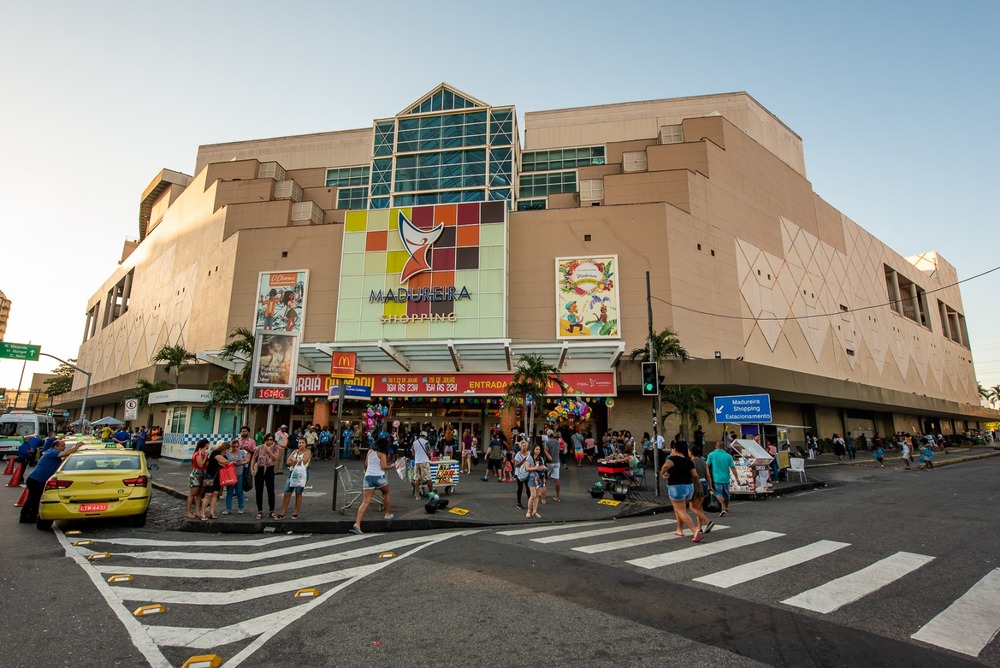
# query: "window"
[532,204]
[567,158]
[347,176]
[116,302]
[634,161]
[440,171]
[442,100]
[592,189]
[178,420]
[539,185]
[352,198]
[672,134]
[91,327]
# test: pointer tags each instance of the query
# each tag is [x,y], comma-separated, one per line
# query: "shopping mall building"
[439,249]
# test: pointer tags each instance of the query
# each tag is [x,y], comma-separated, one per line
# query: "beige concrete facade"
[769,287]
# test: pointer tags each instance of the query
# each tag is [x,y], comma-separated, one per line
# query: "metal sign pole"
[336,451]
[656,399]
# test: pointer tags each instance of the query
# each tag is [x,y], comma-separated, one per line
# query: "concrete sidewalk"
[954,455]
[487,503]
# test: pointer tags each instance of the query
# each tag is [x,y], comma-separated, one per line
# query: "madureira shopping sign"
[20,351]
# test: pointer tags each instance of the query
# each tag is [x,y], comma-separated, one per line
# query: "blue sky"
[894,101]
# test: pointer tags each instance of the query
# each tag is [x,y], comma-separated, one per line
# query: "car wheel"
[138,521]
[43,525]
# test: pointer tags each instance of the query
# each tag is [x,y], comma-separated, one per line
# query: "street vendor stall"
[753,468]
[444,475]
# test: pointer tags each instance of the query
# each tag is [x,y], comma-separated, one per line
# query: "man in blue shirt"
[26,454]
[720,463]
[47,465]
[49,442]
[122,437]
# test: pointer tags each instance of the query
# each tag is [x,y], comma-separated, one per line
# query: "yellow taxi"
[97,482]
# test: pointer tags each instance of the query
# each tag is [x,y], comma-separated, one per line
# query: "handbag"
[711,503]
[522,470]
[247,479]
[297,478]
[228,475]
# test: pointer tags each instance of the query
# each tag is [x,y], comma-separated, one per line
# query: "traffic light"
[650,379]
[3,393]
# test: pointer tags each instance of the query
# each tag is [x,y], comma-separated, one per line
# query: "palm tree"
[144,388]
[985,393]
[234,390]
[239,349]
[688,401]
[994,395]
[529,385]
[174,358]
[665,344]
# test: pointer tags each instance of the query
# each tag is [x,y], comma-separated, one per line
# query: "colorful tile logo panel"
[424,273]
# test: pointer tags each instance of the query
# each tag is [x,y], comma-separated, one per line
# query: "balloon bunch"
[374,416]
[568,411]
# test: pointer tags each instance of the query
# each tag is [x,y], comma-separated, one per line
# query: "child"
[508,468]
[578,451]
[927,457]
[880,456]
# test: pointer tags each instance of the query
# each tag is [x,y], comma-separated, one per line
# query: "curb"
[429,522]
[943,462]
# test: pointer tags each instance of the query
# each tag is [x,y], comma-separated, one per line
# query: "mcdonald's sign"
[343,364]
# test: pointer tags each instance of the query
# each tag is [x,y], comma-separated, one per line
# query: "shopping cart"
[353,490]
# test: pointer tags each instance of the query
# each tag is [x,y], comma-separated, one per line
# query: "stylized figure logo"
[416,242]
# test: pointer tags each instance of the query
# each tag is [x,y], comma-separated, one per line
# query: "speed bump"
[308,592]
[203,661]
[121,577]
[387,555]
[153,609]
[74,532]
[82,543]
[96,556]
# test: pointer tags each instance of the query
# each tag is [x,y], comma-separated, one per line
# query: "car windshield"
[100,462]
[16,428]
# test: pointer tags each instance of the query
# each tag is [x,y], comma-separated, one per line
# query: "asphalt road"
[859,568]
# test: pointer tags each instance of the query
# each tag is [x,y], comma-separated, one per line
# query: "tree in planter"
[144,388]
[173,358]
[529,385]
[688,401]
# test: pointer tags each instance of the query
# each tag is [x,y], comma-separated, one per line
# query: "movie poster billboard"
[275,361]
[587,297]
[280,303]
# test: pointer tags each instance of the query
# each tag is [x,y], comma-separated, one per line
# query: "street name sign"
[743,409]
[19,351]
[350,391]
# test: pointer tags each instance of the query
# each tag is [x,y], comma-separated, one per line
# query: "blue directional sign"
[351,391]
[743,409]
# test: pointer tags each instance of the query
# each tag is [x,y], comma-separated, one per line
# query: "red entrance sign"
[598,384]
[343,365]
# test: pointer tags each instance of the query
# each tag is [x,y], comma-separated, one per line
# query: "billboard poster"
[281,300]
[592,384]
[587,297]
[273,374]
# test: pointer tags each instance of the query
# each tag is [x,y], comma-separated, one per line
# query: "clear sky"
[895,102]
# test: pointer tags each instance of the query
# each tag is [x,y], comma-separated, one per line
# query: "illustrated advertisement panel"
[587,297]
[273,374]
[281,301]
[599,384]
[425,272]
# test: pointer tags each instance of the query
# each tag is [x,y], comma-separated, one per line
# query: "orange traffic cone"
[10,466]
[24,497]
[15,480]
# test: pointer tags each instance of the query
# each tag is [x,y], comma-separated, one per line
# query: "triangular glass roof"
[443,98]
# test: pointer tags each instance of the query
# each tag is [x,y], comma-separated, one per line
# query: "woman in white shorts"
[375,469]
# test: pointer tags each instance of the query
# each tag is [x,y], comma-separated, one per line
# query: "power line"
[824,315]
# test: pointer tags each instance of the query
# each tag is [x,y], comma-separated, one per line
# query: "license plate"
[92,507]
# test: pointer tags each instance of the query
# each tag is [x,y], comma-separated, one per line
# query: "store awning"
[475,355]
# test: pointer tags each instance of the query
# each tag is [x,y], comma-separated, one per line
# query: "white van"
[14,426]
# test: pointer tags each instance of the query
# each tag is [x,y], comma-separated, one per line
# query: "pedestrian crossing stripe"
[605,531]
[703,550]
[837,593]
[970,623]
[767,566]
[634,542]
[148,639]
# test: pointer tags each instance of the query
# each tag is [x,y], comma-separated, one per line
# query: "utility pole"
[656,399]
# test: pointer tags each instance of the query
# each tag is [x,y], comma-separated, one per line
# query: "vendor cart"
[753,469]
[612,471]
[444,475]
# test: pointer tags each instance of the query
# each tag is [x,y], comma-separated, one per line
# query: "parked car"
[97,483]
